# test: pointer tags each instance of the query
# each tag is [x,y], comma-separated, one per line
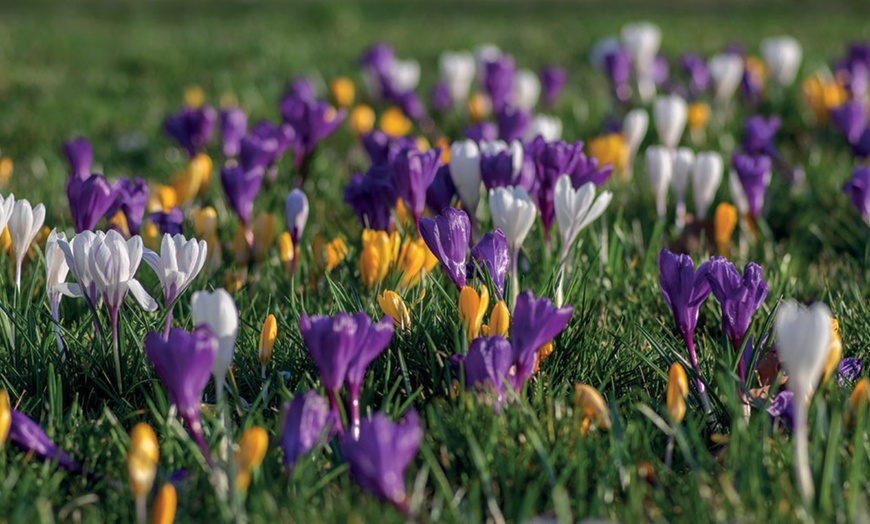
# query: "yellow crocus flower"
[415,261]
[193,179]
[249,456]
[499,321]
[590,402]
[286,251]
[342,91]
[678,390]
[375,258]
[394,307]
[5,416]
[609,149]
[164,506]
[472,307]
[479,106]
[264,235]
[394,122]
[336,251]
[724,222]
[241,249]
[6,168]
[267,339]
[162,198]
[142,458]
[698,116]
[194,97]
[151,236]
[835,352]
[362,119]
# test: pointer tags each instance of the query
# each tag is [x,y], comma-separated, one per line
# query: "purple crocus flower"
[240,188]
[183,361]
[371,340]
[441,191]
[482,132]
[850,119]
[306,426]
[512,123]
[313,121]
[696,69]
[535,322]
[498,170]
[849,369]
[487,365]
[30,438]
[491,252]
[272,141]
[618,67]
[371,196]
[661,70]
[191,128]
[858,189]
[413,173]
[587,170]
[379,457]
[296,214]
[447,236]
[740,297]
[80,156]
[751,85]
[301,88]
[551,160]
[131,199]
[411,104]
[377,62]
[781,409]
[553,80]
[441,101]
[382,149]
[170,222]
[754,175]
[758,135]
[685,290]
[89,200]
[498,80]
[234,125]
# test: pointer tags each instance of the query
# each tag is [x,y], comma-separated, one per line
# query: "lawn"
[113,71]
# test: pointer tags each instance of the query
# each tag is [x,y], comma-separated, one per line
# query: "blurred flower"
[131,199]
[394,123]
[240,189]
[696,69]
[194,96]
[342,91]
[56,270]
[758,135]
[659,165]
[858,189]
[781,408]
[498,80]
[372,338]
[441,190]
[479,107]
[362,119]
[822,96]
[5,416]
[859,398]
[143,454]
[164,505]
[465,172]
[312,121]
[456,71]
[782,55]
[697,117]
[191,128]
[6,168]
[472,308]
[501,165]
[726,69]
[706,177]
[413,173]
[194,179]
[669,115]
[394,307]
[264,235]
[487,366]
[183,361]
[553,80]
[609,149]
[535,322]
[161,198]
[217,311]
[447,236]
[754,175]
[849,369]
[306,425]
[547,126]
[724,222]
[179,262]
[525,90]
[642,40]
[490,253]
[371,196]
[617,65]
[634,128]
[31,439]
[168,222]
[268,334]
[593,406]
[414,261]
[850,119]
[250,454]
[287,252]
[80,156]
[513,123]
[379,457]
[835,352]
[234,126]
[377,254]
[336,251]
[683,162]
[89,200]
[678,390]
[205,227]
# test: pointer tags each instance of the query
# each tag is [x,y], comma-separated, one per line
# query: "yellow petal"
[394,122]
[698,116]
[362,119]
[267,338]
[342,91]
[6,168]
[479,106]
[724,222]
[592,405]
[5,416]
[205,222]
[120,221]
[859,397]
[472,308]
[264,235]
[249,456]
[142,458]
[162,198]
[499,320]
[336,251]
[678,390]
[163,508]
[394,307]
[835,351]
[609,149]
[241,251]
[151,236]
[194,97]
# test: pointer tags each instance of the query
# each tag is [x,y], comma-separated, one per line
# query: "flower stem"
[702,390]
[141,510]
[55,315]
[354,410]
[168,323]
[801,447]
[336,411]
[515,280]
[113,312]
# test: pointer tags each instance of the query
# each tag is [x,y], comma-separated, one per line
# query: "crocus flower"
[782,408]
[617,64]
[379,457]
[491,252]
[683,162]
[642,40]
[501,164]
[849,369]
[234,126]
[706,177]
[80,156]
[850,119]
[56,270]
[370,196]
[487,366]
[383,148]
[553,80]
[465,172]
[535,322]
[758,135]
[306,425]
[218,311]
[413,173]
[183,361]
[726,69]
[265,144]
[24,223]
[659,165]
[191,128]
[782,56]
[482,132]
[551,160]
[440,98]
[472,308]
[546,126]
[131,198]
[78,253]
[441,190]
[696,69]
[301,88]
[456,73]
[143,456]
[447,237]
[512,123]
[296,213]
[857,189]
[678,390]
[394,307]
[526,90]
[371,340]
[634,128]
[803,336]
[7,205]
[754,176]
[179,262]
[669,116]
[576,208]
[590,402]
[89,200]
[685,290]
[499,80]
[30,438]
[313,121]
[514,213]
[240,189]
[740,298]
[5,416]
[168,222]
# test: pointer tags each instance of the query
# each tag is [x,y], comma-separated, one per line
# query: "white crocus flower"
[683,162]
[737,194]
[77,253]
[24,224]
[6,206]
[642,41]
[634,128]
[218,311]
[405,75]
[483,55]
[659,165]
[803,338]
[457,72]
[547,126]
[465,172]
[669,116]
[514,212]
[56,270]
[296,213]
[726,70]
[179,262]
[706,177]
[782,56]
[526,89]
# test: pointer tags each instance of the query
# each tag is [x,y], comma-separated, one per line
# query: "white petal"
[141,296]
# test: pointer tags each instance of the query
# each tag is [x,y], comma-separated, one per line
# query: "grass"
[114,70]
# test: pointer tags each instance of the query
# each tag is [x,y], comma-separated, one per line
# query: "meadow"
[540,452]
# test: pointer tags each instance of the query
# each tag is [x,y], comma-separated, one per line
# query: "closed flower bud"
[142,458]
[362,119]
[609,149]
[249,456]
[394,122]
[590,402]
[479,107]
[194,179]
[834,353]
[264,235]
[698,116]
[5,416]
[394,307]
[342,91]
[472,307]
[267,339]
[286,250]
[678,390]
[163,508]
[241,250]
[374,258]
[859,398]
[415,260]
[6,168]
[336,251]
[499,321]
[205,222]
